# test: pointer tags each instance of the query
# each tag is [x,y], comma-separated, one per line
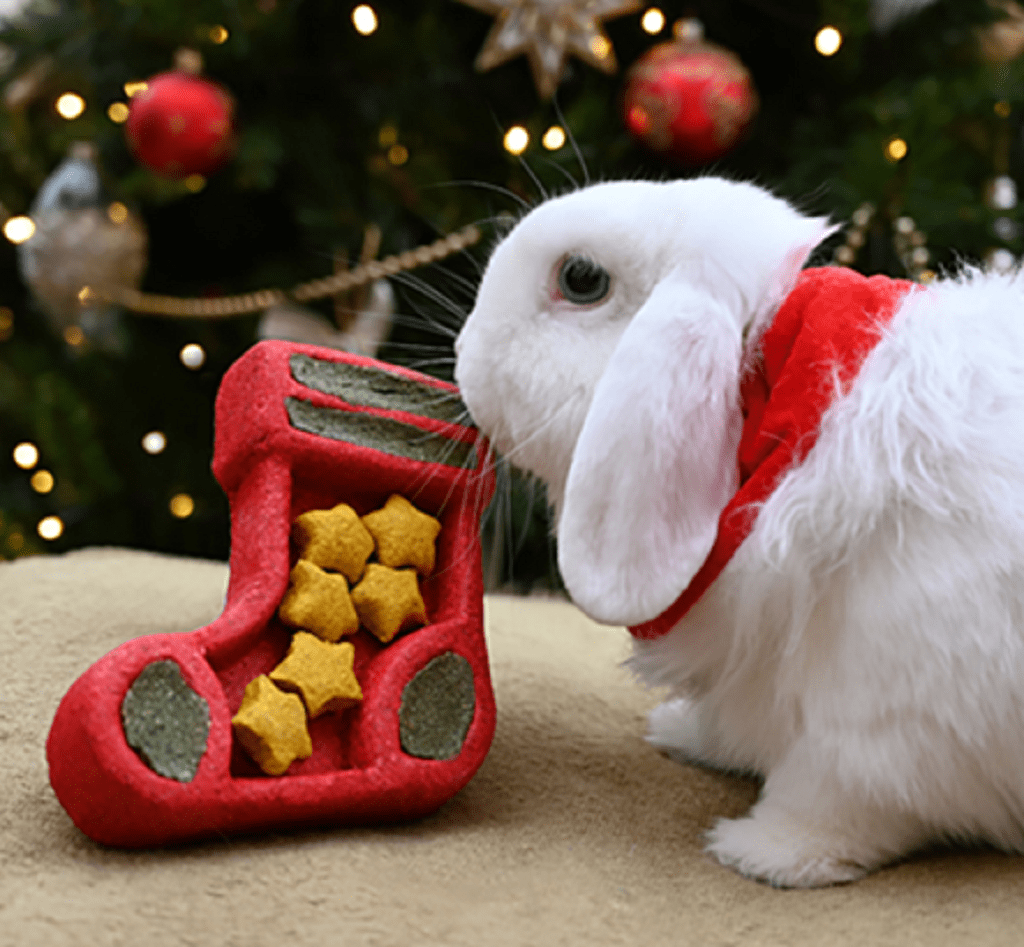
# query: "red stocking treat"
[347,680]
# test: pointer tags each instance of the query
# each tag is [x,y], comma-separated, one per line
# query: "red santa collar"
[821,334]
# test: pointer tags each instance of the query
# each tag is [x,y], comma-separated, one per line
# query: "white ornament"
[80,242]
[364,336]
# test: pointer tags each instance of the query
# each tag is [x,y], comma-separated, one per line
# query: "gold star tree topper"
[546,30]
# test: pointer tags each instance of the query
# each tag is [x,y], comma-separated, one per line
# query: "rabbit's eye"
[582,281]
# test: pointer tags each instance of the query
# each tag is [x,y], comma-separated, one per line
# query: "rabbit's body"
[863,648]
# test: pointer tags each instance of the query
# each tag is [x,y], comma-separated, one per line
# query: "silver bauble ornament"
[81,240]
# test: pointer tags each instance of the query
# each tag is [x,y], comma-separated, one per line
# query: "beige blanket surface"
[573,831]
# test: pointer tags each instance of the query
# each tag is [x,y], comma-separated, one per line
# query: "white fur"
[864,649]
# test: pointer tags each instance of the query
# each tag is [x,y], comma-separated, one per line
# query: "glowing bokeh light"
[828,40]
[364,19]
[896,150]
[182,506]
[653,21]
[516,140]
[50,527]
[26,455]
[154,442]
[19,229]
[70,105]
[42,481]
[553,138]
[192,356]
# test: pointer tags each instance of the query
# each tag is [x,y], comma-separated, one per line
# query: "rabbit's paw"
[683,732]
[674,728]
[782,852]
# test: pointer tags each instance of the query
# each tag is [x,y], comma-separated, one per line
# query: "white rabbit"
[862,648]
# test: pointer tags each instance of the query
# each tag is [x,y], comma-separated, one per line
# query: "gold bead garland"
[227,307]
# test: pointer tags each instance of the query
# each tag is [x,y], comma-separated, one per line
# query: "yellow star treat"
[319,602]
[321,673]
[388,601]
[404,536]
[334,539]
[271,725]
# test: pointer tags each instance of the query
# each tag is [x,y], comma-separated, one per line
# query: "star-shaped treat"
[546,31]
[404,536]
[319,602]
[271,725]
[320,672]
[388,601]
[334,539]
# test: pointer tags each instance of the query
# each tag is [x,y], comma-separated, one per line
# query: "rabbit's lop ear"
[656,459]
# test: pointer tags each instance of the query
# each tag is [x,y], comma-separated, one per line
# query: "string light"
[6,323]
[387,136]
[398,154]
[154,442]
[1001,260]
[553,138]
[192,356]
[364,19]
[218,35]
[117,212]
[15,541]
[828,40]
[19,229]
[70,105]
[1002,108]
[134,88]
[653,21]
[895,150]
[118,113]
[74,336]
[182,506]
[195,183]
[516,140]
[42,481]
[50,527]
[26,455]
[601,47]
[1001,193]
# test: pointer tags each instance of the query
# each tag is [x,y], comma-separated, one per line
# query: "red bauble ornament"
[181,125]
[689,100]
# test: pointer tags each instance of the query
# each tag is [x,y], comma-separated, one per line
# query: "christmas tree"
[335,134]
